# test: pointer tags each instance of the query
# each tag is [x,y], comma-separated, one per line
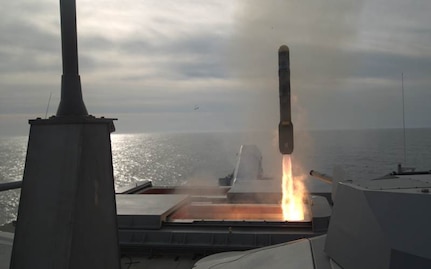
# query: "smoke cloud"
[319,35]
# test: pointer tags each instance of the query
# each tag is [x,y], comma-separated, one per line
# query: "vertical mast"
[71,103]
[404,120]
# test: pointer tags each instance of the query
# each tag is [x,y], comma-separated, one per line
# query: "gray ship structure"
[70,216]
[379,223]
[202,220]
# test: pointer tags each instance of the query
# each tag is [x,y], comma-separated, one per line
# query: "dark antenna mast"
[404,120]
[47,106]
[71,102]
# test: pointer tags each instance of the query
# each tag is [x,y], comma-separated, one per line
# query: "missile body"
[285,128]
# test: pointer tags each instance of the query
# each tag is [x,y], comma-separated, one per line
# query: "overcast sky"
[150,62]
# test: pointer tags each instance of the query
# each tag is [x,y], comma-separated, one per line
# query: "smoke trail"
[318,34]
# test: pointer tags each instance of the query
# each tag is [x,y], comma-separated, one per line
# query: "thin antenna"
[47,106]
[404,120]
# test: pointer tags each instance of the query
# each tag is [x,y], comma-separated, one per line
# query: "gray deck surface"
[401,182]
[292,255]
[158,261]
[146,211]
[287,255]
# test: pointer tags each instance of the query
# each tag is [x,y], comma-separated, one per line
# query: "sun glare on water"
[292,202]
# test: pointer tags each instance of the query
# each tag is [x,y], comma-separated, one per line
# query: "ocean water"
[201,158]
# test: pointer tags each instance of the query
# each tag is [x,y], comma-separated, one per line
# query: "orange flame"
[292,201]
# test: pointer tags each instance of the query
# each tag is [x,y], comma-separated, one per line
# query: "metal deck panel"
[402,182]
[146,211]
[287,255]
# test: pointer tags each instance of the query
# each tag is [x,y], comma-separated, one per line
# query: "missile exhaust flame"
[292,203]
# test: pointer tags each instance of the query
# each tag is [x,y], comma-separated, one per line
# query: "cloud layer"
[150,62]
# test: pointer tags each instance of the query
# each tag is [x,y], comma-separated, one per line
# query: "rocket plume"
[292,201]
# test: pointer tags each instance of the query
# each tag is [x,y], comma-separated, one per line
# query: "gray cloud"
[196,56]
[387,65]
[346,61]
[24,47]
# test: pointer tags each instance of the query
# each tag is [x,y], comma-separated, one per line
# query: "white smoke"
[318,34]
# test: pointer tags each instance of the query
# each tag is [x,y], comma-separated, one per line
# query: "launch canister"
[285,128]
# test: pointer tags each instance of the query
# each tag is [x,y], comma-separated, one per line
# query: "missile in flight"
[285,128]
